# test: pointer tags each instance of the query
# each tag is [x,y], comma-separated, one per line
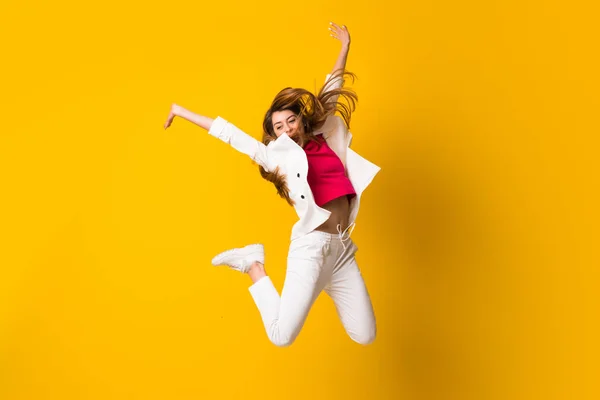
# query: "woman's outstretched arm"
[335,80]
[340,33]
[178,111]
[227,132]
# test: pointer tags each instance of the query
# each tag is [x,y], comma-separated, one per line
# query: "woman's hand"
[340,33]
[179,111]
[172,115]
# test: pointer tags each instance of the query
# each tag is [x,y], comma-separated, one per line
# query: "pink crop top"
[326,174]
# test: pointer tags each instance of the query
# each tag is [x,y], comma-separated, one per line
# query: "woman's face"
[286,121]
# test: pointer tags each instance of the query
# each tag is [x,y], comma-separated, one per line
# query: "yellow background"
[478,239]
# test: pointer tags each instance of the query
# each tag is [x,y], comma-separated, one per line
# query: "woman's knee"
[283,340]
[365,337]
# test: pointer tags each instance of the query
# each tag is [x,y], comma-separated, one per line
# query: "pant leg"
[352,301]
[284,316]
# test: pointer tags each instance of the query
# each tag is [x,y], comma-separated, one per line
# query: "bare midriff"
[340,214]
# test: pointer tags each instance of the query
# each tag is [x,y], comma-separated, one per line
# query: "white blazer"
[286,154]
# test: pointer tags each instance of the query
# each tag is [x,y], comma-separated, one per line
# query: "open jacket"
[292,162]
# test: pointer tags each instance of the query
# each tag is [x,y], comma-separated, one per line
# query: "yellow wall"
[476,240]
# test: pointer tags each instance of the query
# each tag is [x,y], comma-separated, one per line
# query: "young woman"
[305,153]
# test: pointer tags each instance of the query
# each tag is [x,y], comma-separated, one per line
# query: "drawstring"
[341,234]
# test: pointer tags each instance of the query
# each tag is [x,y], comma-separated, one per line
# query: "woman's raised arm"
[227,132]
[335,79]
[178,111]
[340,33]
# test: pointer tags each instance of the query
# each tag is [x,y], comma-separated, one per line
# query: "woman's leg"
[257,271]
[283,316]
[349,293]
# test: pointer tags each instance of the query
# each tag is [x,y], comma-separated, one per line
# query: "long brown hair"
[312,111]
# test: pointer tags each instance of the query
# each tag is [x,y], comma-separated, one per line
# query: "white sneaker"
[241,259]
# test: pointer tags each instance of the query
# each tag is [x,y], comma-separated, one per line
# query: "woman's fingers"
[338,32]
[335,27]
[172,115]
[332,32]
[169,120]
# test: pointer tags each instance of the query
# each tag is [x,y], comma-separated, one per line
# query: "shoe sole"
[257,249]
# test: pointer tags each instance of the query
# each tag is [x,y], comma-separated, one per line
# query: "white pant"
[317,261]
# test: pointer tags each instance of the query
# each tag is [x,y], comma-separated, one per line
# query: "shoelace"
[341,234]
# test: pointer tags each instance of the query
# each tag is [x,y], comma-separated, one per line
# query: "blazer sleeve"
[241,141]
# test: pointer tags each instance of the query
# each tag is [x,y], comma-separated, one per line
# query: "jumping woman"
[305,152]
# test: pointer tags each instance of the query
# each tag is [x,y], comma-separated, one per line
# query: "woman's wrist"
[176,109]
